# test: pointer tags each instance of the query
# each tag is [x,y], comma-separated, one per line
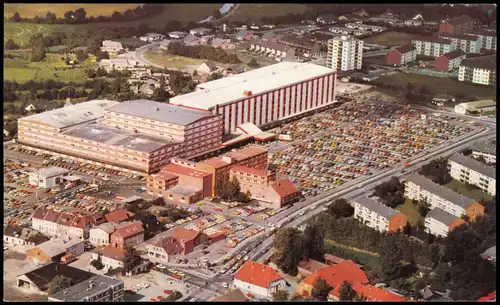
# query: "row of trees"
[391,192]
[203,52]
[437,171]
[79,16]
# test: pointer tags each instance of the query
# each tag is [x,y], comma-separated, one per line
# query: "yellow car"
[201,203]
[236,212]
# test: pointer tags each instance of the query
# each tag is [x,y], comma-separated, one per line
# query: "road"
[138,55]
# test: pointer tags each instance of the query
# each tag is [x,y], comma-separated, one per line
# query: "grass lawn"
[475,194]
[246,58]
[368,260]
[256,11]
[22,70]
[160,57]
[391,38]
[410,211]
[439,85]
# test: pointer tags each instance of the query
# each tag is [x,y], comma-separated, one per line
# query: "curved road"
[138,55]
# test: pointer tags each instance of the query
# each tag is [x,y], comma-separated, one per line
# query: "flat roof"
[57,246]
[229,89]
[474,165]
[163,112]
[42,276]
[440,191]
[489,147]
[51,171]
[80,291]
[442,216]
[118,137]
[72,115]
[376,207]
[183,190]
[480,104]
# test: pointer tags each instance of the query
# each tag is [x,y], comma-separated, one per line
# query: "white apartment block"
[345,53]
[440,223]
[111,46]
[420,188]
[466,43]
[432,46]
[479,70]
[486,149]
[488,39]
[468,170]
[377,216]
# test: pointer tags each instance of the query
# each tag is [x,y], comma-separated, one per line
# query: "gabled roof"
[257,274]
[116,254]
[374,294]
[405,48]
[376,207]
[443,217]
[185,235]
[118,215]
[170,245]
[284,187]
[484,62]
[473,164]
[130,229]
[232,296]
[453,54]
[42,276]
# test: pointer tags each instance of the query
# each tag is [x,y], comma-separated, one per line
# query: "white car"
[225,285]
[160,266]
[193,300]
[223,270]
[302,213]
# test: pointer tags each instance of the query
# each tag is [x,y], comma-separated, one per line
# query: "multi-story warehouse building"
[488,38]
[378,216]
[459,24]
[486,149]
[402,55]
[136,136]
[345,53]
[440,223]
[471,171]
[98,288]
[75,223]
[422,189]
[449,61]
[479,70]
[433,46]
[264,95]
[469,44]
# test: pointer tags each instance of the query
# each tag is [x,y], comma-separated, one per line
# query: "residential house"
[118,215]
[258,280]
[440,223]
[419,188]
[433,46]
[118,64]
[271,37]
[111,46]
[378,216]
[372,294]
[341,30]
[449,61]
[207,68]
[19,236]
[100,235]
[271,49]
[479,70]
[486,149]
[177,34]
[331,260]
[189,239]
[151,37]
[302,45]
[470,171]
[224,44]
[200,31]
[326,19]
[469,44]
[459,24]
[98,288]
[127,235]
[244,35]
[234,69]
[111,257]
[161,250]
[308,266]
[183,195]
[52,250]
[75,222]
[30,108]
[191,40]
[402,55]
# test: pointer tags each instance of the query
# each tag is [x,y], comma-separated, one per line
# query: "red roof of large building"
[113,253]
[284,187]
[183,171]
[453,54]
[118,215]
[184,235]
[170,245]
[405,48]
[374,294]
[257,274]
[73,218]
[130,229]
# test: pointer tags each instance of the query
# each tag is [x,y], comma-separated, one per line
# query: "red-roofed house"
[371,293]
[449,61]
[75,222]
[258,279]
[402,55]
[161,250]
[456,25]
[118,215]
[111,257]
[130,234]
[334,275]
[189,239]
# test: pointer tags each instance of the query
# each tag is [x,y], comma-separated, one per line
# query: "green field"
[20,32]
[22,70]
[411,212]
[438,85]
[475,194]
[246,12]
[369,261]
[160,57]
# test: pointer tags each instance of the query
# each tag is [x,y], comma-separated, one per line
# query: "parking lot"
[358,139]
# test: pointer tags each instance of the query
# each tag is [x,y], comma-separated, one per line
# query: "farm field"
[31,10]
[21,69]
[256,11]
[160,57]
[410,211]
[20,32]
[471,193]
[391,38]
[438,85]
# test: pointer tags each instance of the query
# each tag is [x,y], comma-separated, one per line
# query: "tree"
[50,18]
[314,240]
[340,208]
[11,45]
[80,15]
[424,207]
[131,260]
[81,55]
[173,297]
[321,289]
[216,14]
[69,16]
[253,63]
[281,295]
[391,256]
[289,246]
[97,263]
[346,292]
[38,52]
[15,17]
[58,283]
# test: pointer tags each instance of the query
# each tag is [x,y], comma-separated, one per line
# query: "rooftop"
[258,81]
[433,39]
[162,112]
[56,246]
[484,62]
[284,187]
[130,229]
[80,292]
[480,104]
[184,171]
[184,235]
[118,137]
[257,274]
[42,276]
[117,254]
[405,48]
[51,171]
[453,54]
[440,191]
[232,296]
[376,207]
[460,36]
[108,227]
[443,216]
[489,147]
[183,190]
[374,294]
[474,165]
[169,244]
[118,215]
[246,152]
[71,115]
[492,252]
